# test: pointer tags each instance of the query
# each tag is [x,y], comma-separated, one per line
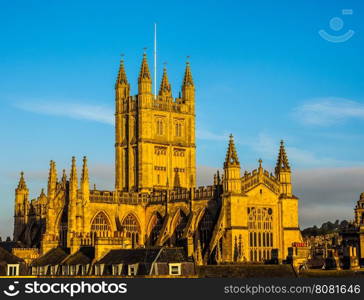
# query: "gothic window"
[132,229]
[100,226]
[260,226]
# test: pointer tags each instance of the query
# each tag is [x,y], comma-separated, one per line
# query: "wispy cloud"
[204,134]
[266,146]
[97,113]
[328,111]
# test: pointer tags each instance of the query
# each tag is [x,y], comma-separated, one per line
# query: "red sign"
[299,244]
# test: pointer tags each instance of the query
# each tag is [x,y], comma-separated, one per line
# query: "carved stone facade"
[155,201]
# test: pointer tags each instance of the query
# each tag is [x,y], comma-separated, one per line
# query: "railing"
[155,197]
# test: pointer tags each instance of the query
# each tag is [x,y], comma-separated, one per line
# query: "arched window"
[132,229]
[100,226]
[260,226]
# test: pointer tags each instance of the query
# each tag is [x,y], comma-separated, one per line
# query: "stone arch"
[61,227]
[101,225]
[178,225]
[205,228]
[132,229]
[198,217]
[30,233]
[154,227]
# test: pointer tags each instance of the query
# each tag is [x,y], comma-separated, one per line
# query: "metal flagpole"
[155,60]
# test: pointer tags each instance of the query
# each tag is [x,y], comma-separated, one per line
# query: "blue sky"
[262,72]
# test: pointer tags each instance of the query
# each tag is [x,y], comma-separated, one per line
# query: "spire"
[22,185]
[73,175]
[85,186]
[73,169]
[122,79]
[144,79]
[64,178]
[84,177]
[52,179]
[188,88]
[165,88]
[144,70]
[231,155]
[282,161]
[187,80]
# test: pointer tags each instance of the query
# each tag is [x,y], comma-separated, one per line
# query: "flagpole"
[155,60]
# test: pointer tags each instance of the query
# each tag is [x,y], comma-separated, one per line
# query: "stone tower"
[359,222]
[154,134]
[21,207]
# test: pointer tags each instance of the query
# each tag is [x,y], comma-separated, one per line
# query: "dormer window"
[175,269]
[13,270]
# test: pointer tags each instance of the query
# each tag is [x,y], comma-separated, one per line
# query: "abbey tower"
[154,135]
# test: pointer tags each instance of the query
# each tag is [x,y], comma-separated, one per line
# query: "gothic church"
[249,217]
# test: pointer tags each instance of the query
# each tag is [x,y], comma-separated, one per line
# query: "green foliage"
[326,228]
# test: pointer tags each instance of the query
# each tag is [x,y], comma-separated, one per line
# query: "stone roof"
[144,255]
[130,256]
[8,257]
[53,257]
[82,257]
[173,255]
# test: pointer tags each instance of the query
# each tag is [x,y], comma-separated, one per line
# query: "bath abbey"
[156,207]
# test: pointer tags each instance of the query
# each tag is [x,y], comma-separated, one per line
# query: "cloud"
[97,113]
[267,147]
[203,134]
[328,111]
[327,194]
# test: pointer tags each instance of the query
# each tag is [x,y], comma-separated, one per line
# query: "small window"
[84,270]
[13,270]
[97,270]
[42,271]
[115,270]
[73,270]
[132,270]
[174,269]
[65,270]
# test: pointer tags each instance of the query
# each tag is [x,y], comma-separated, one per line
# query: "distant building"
[155,203]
